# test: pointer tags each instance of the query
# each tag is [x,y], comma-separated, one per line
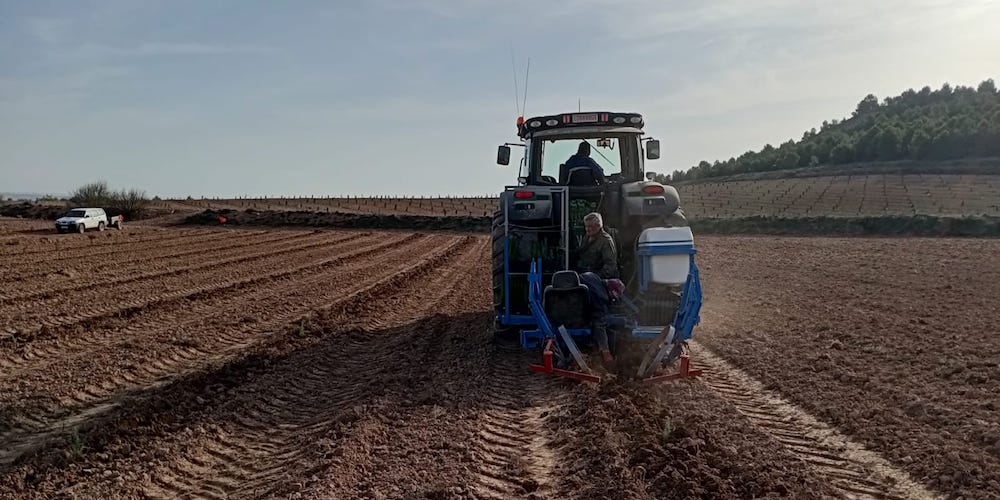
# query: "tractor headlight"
[535,124]
[635,119]
[552,122]
[619,119]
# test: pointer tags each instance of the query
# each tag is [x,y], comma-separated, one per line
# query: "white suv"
[82,219]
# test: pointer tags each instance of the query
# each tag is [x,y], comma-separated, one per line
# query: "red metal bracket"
[547,367]
[683,371]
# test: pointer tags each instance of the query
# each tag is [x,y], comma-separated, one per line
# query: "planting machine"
[537,293]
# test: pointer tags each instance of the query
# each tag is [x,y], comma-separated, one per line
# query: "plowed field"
[219,363]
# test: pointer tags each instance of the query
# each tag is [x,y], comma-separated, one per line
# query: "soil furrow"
[38,354]
[148,256]
[217,279]
[264,441]
[856,473]
[95,401]
[52,308]
[112,243]
[204,260]
[178,339]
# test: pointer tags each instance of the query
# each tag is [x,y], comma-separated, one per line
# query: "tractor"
[538,298]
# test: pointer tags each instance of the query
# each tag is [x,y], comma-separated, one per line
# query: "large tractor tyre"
[497,235]
[502,332]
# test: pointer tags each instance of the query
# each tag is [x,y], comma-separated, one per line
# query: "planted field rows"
[845,196]
[457,206]
[220,363]
[837,196]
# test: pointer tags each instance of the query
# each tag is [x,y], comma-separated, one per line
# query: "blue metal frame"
[508,319]
[687,315]
[685,319]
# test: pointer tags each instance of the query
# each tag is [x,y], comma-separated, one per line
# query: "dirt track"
[343,364]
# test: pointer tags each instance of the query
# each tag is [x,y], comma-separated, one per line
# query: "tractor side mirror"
[522,181]
[650,176]
[652,149]
[503,155]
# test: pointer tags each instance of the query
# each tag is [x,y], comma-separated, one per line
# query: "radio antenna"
[517,93]
[527,71]
[579,106]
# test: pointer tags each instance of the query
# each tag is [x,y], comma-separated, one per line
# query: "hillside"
[944,124]
[864,195]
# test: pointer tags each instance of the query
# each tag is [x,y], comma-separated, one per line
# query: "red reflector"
[523,195]
[653,190]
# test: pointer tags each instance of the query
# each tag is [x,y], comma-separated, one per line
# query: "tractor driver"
[597,262]
[581,161]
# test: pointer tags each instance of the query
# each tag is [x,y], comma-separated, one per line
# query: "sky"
[411,97]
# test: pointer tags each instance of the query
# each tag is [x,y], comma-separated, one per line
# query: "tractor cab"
[575,164]
[616,145]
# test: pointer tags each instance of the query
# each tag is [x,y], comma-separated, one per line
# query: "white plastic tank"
[666,252]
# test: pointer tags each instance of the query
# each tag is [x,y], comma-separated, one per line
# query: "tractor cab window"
[606,151]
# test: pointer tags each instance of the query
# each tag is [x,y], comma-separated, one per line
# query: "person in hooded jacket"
[581,160]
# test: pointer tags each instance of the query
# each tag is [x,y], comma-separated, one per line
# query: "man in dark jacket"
[581,161]
[597,262]
[597,252]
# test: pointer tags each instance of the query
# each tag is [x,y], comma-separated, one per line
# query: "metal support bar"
[547,367]
[683,371]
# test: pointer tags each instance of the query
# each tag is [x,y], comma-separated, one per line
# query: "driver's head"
[584,149]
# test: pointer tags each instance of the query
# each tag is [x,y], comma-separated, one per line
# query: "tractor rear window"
[604,151]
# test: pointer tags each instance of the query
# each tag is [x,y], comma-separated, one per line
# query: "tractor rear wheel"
[497,235]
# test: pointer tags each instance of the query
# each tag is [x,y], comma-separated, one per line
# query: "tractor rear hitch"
[684,370]
[547,366]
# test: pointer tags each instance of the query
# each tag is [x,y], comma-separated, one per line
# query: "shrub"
[131,203]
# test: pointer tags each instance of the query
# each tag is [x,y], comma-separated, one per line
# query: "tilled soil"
[286,218]
[339,364]
[896,342]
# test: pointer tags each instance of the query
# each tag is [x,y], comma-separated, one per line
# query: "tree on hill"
[945,124]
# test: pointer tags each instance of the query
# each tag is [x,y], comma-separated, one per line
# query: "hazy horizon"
[411,98]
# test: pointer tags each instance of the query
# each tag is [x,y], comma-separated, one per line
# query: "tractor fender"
[526,209]
[646,198]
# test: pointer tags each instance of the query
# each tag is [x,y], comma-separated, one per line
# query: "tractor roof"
[590,119]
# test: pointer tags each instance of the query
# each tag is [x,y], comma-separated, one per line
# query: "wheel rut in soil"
[276,434]
[848,466]
[512,453]
[30,431]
